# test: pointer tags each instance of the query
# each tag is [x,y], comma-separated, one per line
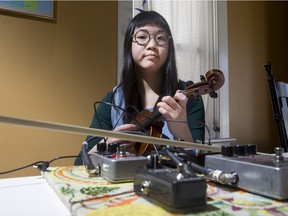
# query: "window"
[200,35]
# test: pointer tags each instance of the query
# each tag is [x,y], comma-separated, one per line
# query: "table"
[70,191]
[31,196]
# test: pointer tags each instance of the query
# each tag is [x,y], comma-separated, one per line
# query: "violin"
[149,121]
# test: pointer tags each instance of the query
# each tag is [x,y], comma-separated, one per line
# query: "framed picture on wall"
[44,9]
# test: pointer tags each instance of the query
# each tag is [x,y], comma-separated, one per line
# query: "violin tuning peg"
[189,82]
[213,94]
[202,78]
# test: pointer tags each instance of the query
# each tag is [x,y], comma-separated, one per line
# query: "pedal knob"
[251,149]
[227,151]
[239,150]
[101,147]
[112,147]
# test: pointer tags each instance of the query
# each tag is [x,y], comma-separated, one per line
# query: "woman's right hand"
[125,127]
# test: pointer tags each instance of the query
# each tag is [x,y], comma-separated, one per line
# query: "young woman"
[149,81]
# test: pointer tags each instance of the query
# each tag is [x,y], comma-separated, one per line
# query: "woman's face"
[148,55]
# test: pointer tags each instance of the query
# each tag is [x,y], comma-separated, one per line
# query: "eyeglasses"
[143,37]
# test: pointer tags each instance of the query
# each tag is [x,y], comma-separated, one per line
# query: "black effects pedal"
[176,189]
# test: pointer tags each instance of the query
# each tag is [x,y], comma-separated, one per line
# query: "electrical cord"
[182,167]
[115,106]
[201,123]
[100,124]
[90,168]
[85,156]
[40,165]
[124,112]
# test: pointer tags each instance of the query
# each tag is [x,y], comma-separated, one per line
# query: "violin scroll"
[211,82]
[215,78]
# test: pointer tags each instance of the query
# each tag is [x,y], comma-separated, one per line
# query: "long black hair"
[128,80]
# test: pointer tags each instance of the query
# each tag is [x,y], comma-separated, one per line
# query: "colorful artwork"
[85,195]
[37,8]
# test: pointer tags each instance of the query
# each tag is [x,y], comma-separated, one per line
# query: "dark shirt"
[102,120]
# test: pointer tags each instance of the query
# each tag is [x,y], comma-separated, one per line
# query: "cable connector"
[42,166]
[89,166]
[222,177]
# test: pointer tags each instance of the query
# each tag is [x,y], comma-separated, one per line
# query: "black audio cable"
[215,175]
[40,165]
[89,166]
[184,170]
[188,168]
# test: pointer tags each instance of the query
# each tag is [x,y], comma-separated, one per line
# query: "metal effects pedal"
[261,174]
[117,166]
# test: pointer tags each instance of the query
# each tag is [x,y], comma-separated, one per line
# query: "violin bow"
[103,133]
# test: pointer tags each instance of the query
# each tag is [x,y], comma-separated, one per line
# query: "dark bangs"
[151,18]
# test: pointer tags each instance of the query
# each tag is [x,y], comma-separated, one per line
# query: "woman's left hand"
[174,110]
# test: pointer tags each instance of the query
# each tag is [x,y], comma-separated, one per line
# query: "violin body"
[149,121]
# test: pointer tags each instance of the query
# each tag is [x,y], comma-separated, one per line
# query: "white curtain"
[191,23]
